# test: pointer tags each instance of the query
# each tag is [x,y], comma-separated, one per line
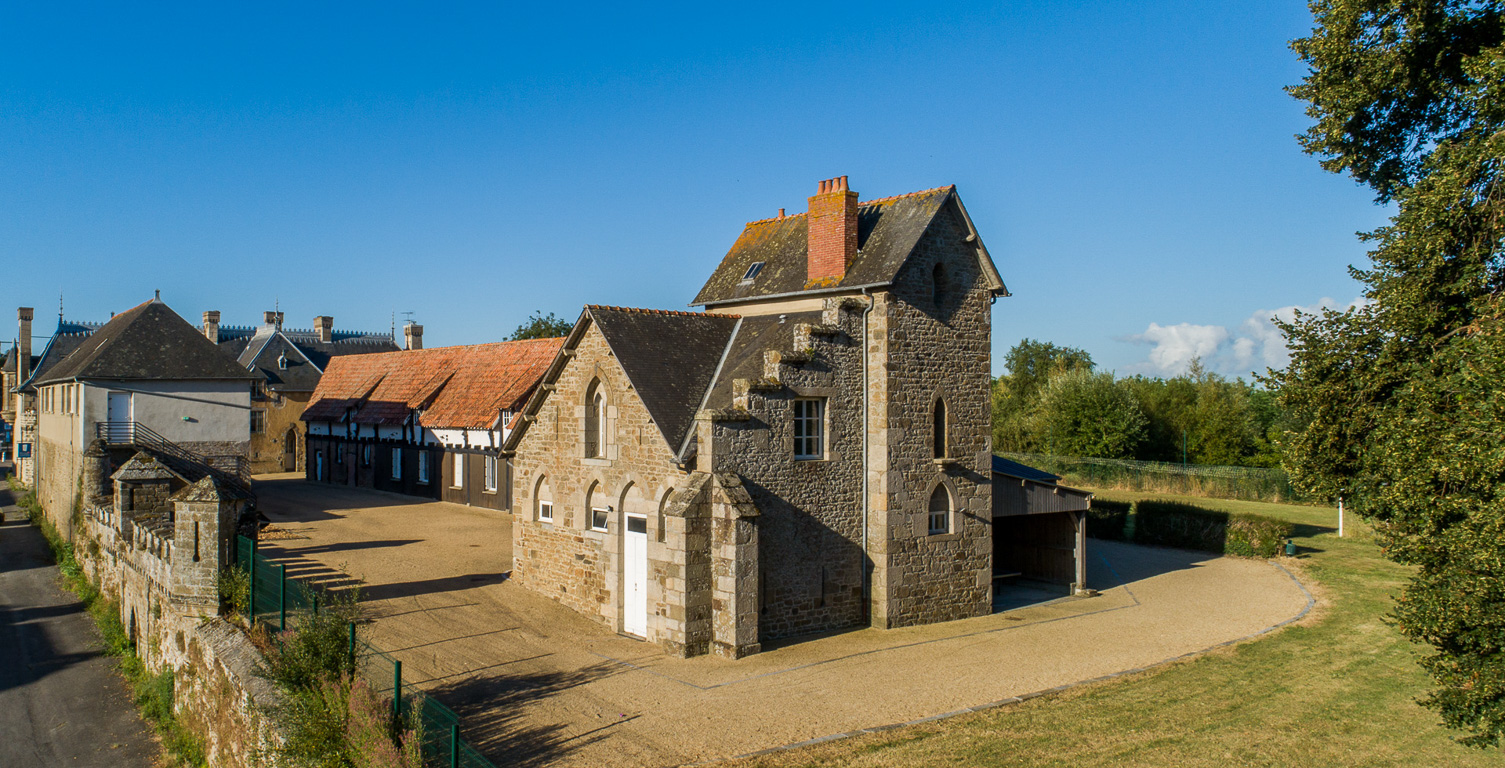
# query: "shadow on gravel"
[1135,562]
[430,586]
[493,712]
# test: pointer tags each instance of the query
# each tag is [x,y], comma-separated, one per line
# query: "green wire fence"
[277,600]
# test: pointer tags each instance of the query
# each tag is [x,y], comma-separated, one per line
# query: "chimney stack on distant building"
[413,333]
[832,233]
[324,327]
[271,318]
[23,344]
[211,325]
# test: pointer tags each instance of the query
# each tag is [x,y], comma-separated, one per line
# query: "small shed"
[1039,526]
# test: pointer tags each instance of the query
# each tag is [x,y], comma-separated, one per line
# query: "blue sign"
[23,450]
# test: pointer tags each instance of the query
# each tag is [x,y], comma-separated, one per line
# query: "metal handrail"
[234,470]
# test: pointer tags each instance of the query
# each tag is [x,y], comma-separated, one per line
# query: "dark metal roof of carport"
[1019,489]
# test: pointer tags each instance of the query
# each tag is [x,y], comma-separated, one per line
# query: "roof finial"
[158,297]
[60,305]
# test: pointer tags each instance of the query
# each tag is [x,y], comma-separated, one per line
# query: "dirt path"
[539,684]
[61,701]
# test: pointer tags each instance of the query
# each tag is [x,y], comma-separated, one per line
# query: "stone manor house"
[812,452]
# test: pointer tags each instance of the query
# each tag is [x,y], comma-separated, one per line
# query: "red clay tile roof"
[456,387]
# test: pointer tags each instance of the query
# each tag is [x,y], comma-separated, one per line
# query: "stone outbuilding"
[810,453]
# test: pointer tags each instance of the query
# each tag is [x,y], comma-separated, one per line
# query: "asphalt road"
[61,700]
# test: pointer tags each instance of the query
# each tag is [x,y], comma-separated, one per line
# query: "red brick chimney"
[833,232]
[23,343]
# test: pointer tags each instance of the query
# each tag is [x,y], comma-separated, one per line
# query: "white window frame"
[604,515]
[423,466]
[458,470]
[545,511]
[491,473]
[396,463]
[808,446]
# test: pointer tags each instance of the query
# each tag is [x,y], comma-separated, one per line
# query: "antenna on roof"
[392,331]
[407,317]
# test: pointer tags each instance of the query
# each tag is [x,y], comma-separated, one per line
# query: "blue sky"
[1131,166]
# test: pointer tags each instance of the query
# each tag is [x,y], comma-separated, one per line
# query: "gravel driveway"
[537,684]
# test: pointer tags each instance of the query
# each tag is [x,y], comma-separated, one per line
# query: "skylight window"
[752,271]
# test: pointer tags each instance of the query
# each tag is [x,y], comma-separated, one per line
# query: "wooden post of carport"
[1079,519]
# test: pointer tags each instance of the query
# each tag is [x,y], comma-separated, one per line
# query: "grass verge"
[152,692]
[1339,688]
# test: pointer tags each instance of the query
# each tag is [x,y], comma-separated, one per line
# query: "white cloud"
[1258,343]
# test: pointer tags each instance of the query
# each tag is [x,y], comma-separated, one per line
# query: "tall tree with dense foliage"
[1016,394]
[541,326]
[1089,414]
[1398,403]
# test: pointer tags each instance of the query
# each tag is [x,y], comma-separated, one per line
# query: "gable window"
[752,271]
[809,428]
[595,421]
[491,473]
[396,463]
[459,472]
[258,422]
[940,510]
[939,427]
[423,466]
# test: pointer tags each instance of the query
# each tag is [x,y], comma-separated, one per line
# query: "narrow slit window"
[940,429]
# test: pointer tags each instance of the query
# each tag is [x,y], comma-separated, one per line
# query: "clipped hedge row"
[1177,524]
[1106,519]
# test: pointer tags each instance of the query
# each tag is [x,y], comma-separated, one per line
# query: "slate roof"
[887,231]
[465,387]
[12,355]
[670,358]
[307,357]
[744,356]
[68,337]
[148,341]
[1003,466]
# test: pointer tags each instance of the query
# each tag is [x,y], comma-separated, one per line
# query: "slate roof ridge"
[672,312]
[860,203]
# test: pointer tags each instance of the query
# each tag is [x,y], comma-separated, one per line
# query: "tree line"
[1054,401]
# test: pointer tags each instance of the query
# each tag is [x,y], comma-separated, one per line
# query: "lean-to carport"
[1039,526]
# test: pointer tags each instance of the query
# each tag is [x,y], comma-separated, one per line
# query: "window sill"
[945,462]
[595,461]
[489,491]
[942,537]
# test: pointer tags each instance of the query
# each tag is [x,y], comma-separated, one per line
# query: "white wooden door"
[635,576]
[118,407]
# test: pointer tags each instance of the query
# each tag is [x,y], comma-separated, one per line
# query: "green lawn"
[1336,690]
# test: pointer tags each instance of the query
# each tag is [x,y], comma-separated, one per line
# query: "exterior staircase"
[232,472]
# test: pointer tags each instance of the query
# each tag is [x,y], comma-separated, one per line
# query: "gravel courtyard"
[538,684]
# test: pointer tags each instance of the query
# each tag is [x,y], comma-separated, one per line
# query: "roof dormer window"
[752,271]
[282,361]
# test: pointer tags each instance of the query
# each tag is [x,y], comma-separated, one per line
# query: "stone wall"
[933,351]
[810,528]
[281,412]
[57,467]
[565,559]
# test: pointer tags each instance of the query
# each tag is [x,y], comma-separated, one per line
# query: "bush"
[1176,524]
[1106,519]
[235,591]
[315,647]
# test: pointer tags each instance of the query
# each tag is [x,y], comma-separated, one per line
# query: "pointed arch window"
[938,427]
[940,510]
[595,421]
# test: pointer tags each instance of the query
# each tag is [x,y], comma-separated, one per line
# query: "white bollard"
[1340,517]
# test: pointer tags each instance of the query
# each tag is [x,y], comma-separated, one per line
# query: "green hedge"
[1105,520]
[1176,524]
